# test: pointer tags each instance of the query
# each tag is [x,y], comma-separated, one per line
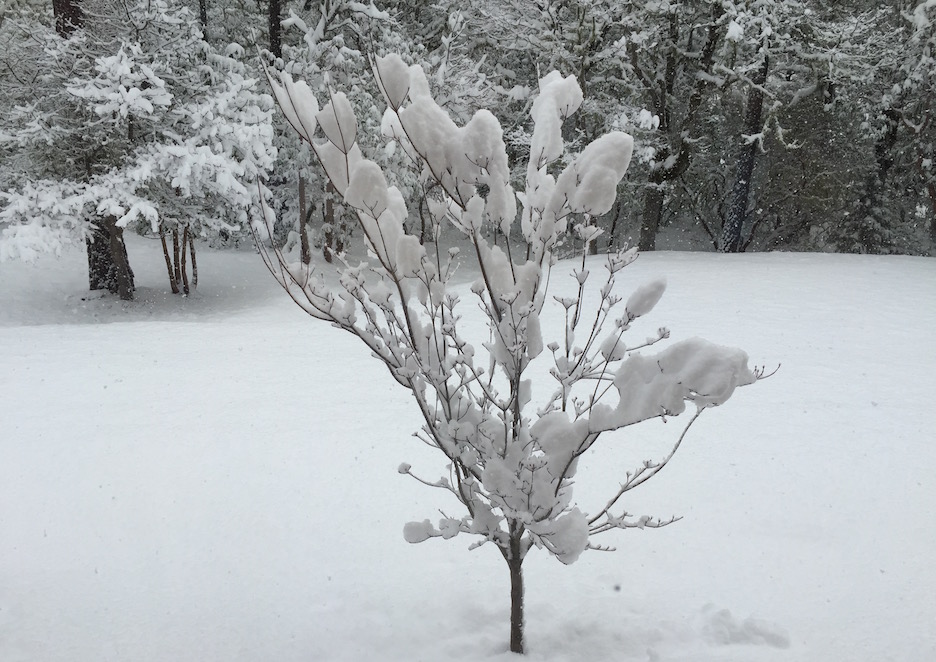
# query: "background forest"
[759,124]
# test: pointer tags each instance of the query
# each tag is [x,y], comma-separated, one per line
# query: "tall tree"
[133,123]
[671,55]
[108,262]
[274,26]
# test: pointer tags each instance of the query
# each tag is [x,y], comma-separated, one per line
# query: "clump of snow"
[735,32]
[393,77]
[558,98]
[645,297]
[723,629]
[693,370]
[416,532]
[338,122]
[298,103]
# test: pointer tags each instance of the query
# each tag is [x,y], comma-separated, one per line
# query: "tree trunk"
[176,258]
[108,263]
[514,559]
[122,280]
[275,12]
[330,234]
[182,267]
[612,232]
[173,283]
[673,160]
[191,240]
[872,231]
[730,241]
[68,16]
[99,259]
[306,250]
[931,189]
[652,214]
[203,14]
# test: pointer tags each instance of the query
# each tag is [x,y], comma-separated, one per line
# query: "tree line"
[759,124]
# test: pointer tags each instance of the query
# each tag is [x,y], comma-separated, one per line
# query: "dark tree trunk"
[184,269]
[68,16]
[203,14]
[331,242]
[667,168]
[173,283]
[871,224]
[123,275]
[931,189]
[100,262]
[652,214]
[514,558]
[274,19]
[730,241]
[191,244]
[176,258]
[306,250]
[612,232]
[108,263]
[176,265]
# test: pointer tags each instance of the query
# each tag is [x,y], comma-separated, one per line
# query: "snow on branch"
[511,462]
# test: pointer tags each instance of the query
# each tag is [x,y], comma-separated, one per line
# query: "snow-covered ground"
[215,479]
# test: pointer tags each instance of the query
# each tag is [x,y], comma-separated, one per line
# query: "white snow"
[393,77]
[215,478]
[735,32]
[338,122]
[645,297]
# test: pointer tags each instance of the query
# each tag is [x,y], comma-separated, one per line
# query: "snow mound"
[722,628]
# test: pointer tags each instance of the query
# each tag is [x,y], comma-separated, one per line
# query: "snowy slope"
[214,479]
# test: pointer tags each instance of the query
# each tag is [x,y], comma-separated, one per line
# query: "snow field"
[215,478]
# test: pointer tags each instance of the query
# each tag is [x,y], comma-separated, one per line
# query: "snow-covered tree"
[511,450]
[129,120]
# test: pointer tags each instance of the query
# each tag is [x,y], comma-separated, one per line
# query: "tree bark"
[203,14]
[674,158]
[173,283]
[183,268]
[274,19]
[330,235]
[514,559]
[730,241]
[99,259]
[306,250]
[108,263]
[176,258]
[191,240]
[931,189]
[871,233]
[68,16]
[652,214]
[121,282]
